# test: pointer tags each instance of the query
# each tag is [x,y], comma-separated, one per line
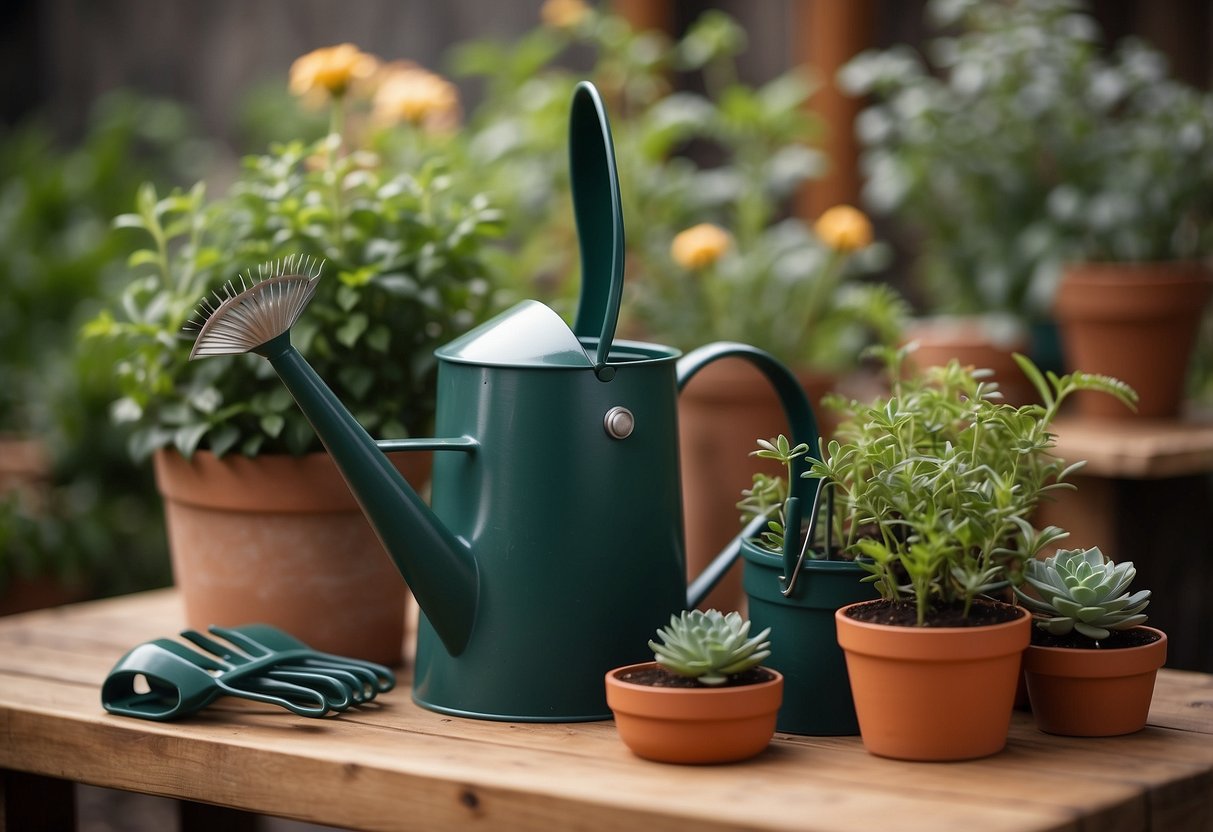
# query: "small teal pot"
[804,643]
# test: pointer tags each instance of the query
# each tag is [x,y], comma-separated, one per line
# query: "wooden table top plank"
[154,758]
[395,765]
[157,758]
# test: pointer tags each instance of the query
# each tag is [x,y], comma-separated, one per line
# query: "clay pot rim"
[920,643]
[1077,662]
[612,677]
[1112,273]
[692,704]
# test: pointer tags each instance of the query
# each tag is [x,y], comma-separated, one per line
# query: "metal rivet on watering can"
[619,423]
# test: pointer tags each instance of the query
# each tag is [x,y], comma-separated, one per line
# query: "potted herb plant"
[936,487]
[794,582]
[1026,149]
[251,499]
[705,698]
[1091,666]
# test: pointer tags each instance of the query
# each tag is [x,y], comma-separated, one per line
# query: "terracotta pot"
[694,725]
[722,413]
[25,469]
[933,693]
[1093,693]
[1136,322]
[983,342]
[280,540]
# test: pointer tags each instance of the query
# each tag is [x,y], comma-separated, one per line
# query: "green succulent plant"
[1080,590]
[709,646]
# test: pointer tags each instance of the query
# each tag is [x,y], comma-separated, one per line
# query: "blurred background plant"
[707,172]
[57,260]
[1017,140]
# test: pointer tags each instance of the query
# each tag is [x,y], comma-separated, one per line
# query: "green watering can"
[554,548]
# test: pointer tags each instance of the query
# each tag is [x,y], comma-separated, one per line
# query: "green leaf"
[128,221]
[349,332]
[272,424]
[142,257]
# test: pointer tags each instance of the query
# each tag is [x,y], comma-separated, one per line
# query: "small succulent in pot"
[705,699]
[1091,665]
[709,647]
[1080,591]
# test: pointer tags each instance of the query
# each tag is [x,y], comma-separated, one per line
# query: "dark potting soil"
[1118,640]
[905,614]
[659,677]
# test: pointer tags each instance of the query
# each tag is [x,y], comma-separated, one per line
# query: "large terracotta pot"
[693,725]
[1093,693]
[1136,322]
[724,410]
[280,540]
[933,693]
[983,342]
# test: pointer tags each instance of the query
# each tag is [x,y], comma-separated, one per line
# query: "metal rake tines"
[240,320]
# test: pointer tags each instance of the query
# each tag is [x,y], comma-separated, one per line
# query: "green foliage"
[709,646]
[1079,590]
[1023,143]
[404,274]
[732,156]
[56,250]
[768,494]
[98,523]
[937,483]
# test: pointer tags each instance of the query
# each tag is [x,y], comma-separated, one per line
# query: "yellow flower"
[331,70]
[563,14]
[700,246]
[844,228]
[413,94]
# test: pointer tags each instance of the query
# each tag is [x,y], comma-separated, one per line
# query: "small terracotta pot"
[724,410]
[933,693]
[1136,322]
[694,725]
[280,540]
[1093,693]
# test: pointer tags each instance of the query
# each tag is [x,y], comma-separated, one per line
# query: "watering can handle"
[599,214]
[800,418]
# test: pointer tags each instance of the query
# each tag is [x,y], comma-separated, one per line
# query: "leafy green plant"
[936,484]
[405,273]
[1080,590]
[709,646]
[767,496]
[1018,141]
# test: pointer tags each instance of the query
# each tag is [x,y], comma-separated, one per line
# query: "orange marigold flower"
[410,93]
[563,14]
[331,71]
[844,228]
[700,246]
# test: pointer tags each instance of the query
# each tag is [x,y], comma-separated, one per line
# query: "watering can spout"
[439,567]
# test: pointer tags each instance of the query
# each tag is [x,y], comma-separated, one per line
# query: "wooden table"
[396,766]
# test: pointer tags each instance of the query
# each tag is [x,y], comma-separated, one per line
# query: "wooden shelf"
[1136,449]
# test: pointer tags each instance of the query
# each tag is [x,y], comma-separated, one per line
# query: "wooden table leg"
[33,803]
